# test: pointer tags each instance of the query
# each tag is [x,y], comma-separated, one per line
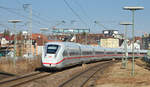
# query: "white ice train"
[57,55]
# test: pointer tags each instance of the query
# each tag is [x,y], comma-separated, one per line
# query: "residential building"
[146,41]
[109,43]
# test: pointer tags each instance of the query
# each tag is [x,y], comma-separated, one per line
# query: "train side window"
[110,53]
[129,52]
[71,53]
[93,53]
[119,53]
[65,53]
[74,52]
[99,52]
[89,53]
[86,52]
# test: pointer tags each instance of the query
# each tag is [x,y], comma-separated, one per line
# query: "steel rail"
[145,66]
[8,74]
[4,75]
[23,79]
[85,75]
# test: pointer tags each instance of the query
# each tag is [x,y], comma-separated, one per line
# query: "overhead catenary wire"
[18,14]
[38,22]
[83,11]
[74,12]
[11,10]
[40,17]
[34,11]
[96,22]
[81,8]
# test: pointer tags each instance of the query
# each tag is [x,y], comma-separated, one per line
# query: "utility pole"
[29,6]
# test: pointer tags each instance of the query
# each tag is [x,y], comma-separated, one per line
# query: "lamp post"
[124,63]
[133,9]
[14,22]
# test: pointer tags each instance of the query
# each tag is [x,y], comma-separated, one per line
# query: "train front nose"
[49,60]
[49,57]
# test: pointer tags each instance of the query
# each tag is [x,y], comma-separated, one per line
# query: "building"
[136,46]
[146,41]
[110,33]
[38,41]
[109,42]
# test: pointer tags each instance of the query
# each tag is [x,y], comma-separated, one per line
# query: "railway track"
[144,65]
[4,75]
[80,79]
[23,79]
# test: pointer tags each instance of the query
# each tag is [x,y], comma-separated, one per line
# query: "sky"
[75,14]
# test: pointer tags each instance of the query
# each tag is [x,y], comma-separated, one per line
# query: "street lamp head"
[14,21]
[133,8]
[125,23]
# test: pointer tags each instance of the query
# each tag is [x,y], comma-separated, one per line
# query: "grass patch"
[20,66]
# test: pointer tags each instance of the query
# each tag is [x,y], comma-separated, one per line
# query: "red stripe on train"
[55,63]
[88,57]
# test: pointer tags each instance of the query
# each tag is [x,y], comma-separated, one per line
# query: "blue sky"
[49,13]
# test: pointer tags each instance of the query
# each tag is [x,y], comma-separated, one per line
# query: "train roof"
[95,47]
[63,43]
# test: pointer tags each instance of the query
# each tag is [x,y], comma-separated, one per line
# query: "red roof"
[138,38]
[1,35]
[9,37]
[35,36]
[39,39]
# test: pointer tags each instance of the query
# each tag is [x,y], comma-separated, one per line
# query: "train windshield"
[51,49]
